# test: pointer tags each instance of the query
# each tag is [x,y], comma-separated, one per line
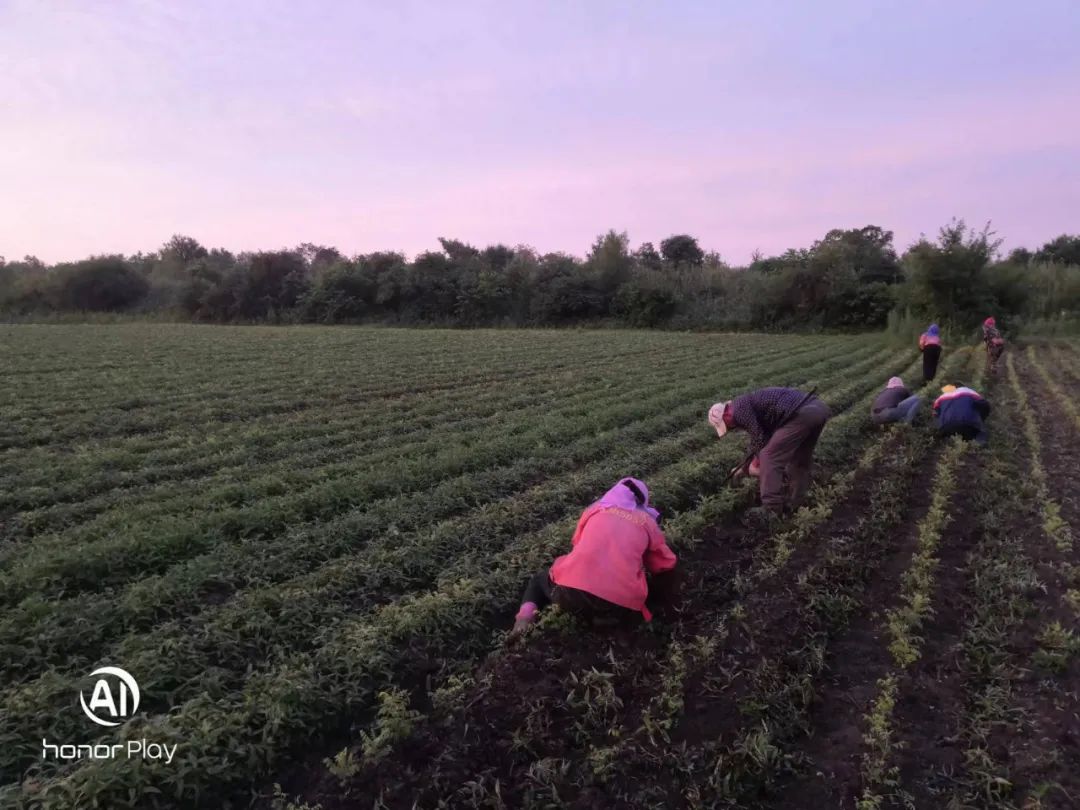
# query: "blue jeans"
[905,411]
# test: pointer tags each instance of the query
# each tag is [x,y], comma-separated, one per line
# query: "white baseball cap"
[716,418]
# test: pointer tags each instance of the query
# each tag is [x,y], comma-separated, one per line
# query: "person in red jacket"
[930,346]
[617,541]
[995,344]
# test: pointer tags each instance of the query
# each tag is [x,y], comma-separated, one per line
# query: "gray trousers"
[788,459]
[906,411]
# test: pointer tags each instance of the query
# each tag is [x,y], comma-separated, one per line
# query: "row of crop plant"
[293,553]
[370,418]
[300,377]
[353,656]
[97,556]
[902,625]
[995,714]
[312,604]
[696,651]
[247,477]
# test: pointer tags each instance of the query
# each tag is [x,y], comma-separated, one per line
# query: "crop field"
[307,545]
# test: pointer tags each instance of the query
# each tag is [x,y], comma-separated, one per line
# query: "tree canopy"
[848,279]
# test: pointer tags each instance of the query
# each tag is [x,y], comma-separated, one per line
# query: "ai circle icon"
[115,697]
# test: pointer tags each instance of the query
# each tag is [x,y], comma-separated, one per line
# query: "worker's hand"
[755,468]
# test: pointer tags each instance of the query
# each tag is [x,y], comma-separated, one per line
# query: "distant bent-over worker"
[895,404]
[960,411]
[995,344]
[784,425]
[930,346]
[617,541]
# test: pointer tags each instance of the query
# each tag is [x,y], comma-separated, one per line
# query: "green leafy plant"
[1057,645]
[345,765]
[393,723]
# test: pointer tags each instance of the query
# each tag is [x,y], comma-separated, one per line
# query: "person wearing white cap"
[784,426]
[895,404]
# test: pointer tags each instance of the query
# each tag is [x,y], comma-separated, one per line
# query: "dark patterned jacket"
[761,412]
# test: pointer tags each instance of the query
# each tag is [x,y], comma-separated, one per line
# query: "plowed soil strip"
[1044,736]
[1060,441]
[972,728]
[829,775]
[1067,363]
[932,688]
[1001,582]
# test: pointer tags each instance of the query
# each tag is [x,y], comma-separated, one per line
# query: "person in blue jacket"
[960,411]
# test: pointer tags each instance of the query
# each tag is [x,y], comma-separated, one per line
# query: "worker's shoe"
[761,518]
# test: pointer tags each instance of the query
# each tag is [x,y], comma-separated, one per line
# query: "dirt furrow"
[976,724]
[829,761]
[1060,441]
[1043,734]
[931,689]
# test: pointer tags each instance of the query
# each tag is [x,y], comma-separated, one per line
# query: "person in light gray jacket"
[895,404]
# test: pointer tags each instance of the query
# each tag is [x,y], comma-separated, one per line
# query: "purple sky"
[383,125]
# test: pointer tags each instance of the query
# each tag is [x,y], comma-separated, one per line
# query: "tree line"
[849,279]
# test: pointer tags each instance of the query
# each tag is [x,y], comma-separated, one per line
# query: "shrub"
[105,284]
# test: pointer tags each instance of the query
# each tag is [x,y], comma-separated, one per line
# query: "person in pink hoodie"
[617,541]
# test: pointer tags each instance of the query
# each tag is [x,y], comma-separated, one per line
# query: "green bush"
[105,284]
